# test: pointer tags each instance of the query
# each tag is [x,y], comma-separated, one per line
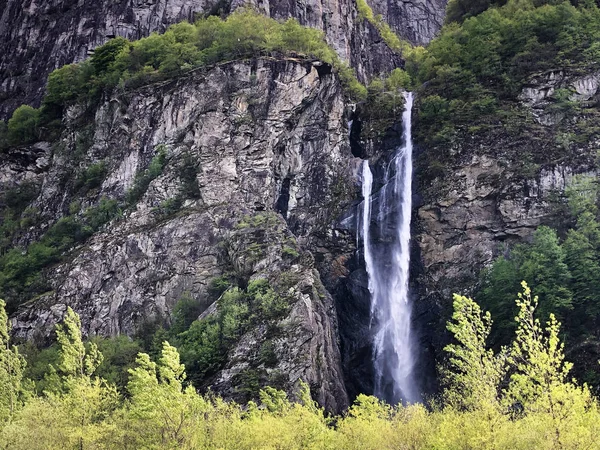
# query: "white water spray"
[387,264]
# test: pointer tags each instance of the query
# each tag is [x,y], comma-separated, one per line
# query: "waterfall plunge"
[387,265]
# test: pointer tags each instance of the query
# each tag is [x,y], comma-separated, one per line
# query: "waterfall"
[387,263]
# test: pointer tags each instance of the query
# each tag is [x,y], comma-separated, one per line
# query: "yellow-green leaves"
[76,361]
[474,372]
[12,365]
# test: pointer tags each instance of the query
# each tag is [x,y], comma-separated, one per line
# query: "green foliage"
[474,372]
[385,102]
[38,365]
[75,360]
[582,194]
[532,383]
[220,284]
[389,37]
[22,126]
[265,303]
[185,311]
[169,207]
[16,214]
[119,355]
[183,47]
[479,67]
[143,179]
[66,86]
[290,251]
[161,413]
[105,55]
[541,408]
[460,10]
[566,273]
[21,270]
[13,390]
[259,220]
[101,214]
[91,178]
[542,263]
[204,346]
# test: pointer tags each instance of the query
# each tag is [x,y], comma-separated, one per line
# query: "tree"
[22,126]
[162,413]
[474,372]
[12,366]
[582,195]
[539,382]
[105,55]
[582,259]
[544,267]
[500,282]
[75,360]
[77,413]
[541,263]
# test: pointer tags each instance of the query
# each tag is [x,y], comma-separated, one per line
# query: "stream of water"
[387,263]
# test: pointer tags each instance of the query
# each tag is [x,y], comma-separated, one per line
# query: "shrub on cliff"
[479,67]
[244,34]
[22,126]
[184,46]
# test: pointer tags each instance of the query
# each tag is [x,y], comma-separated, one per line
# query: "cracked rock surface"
[39,36]
[269,143]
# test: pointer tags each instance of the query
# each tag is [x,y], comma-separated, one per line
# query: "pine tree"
[544,267]
[584,265]
[500,282]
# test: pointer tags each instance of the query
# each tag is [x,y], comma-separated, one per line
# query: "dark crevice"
[282,203]
[323,69]
[356,146]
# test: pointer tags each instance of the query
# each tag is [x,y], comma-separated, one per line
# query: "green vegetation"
[22,126]
[183,47]
[460,10]
[204,343]
[475,70]
[16,216]
[566,273]
[91,178]
[390,38]
[143,179]
[21,269]
[384,103]
[520,398]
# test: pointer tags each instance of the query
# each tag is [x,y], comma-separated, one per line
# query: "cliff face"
[41,35]
[495,187]
[417,21]
[265,141]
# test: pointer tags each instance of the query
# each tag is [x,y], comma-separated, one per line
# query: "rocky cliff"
[41,35]
[417,21]
[488,190]
[256,165]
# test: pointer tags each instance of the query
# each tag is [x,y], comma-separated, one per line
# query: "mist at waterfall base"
[384,226]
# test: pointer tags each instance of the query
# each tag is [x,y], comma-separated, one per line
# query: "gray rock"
[266,135]
[42,35]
